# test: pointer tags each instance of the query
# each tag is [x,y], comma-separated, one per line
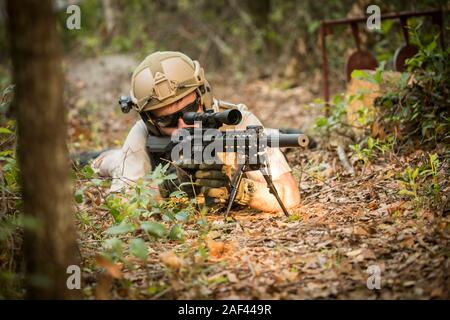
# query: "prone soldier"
[165,87]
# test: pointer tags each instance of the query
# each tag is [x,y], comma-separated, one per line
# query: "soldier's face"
[172,108]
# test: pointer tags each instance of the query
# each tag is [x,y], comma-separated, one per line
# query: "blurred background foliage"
[234,41]
[264,38]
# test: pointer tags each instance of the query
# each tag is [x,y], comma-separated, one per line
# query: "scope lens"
[234,117]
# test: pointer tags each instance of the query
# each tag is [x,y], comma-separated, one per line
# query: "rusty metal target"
[405,52]
[360,59]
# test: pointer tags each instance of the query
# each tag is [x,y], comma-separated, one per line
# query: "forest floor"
[349,229]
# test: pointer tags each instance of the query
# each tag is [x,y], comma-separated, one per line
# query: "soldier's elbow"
[291,193]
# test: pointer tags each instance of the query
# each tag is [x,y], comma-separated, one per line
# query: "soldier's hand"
[213,182]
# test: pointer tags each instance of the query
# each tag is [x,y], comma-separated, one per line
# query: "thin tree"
[36,55]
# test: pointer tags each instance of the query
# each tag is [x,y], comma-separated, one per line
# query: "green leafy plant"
[338,111]
[410,187]
[339,104]
[136,212]
[372,148]
[376,78]
[432,171]
[419,182]
[6,98]
[420,108]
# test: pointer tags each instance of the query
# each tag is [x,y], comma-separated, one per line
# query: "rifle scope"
[211,119]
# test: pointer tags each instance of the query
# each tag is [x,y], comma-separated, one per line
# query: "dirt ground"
[347,229]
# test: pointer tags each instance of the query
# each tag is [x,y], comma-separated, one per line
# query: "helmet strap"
[151,127]
[200,94]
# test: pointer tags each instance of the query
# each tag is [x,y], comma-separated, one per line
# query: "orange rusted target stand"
[363,59]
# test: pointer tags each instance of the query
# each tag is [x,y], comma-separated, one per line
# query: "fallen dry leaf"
[113,269]
[407,243]
[361,254]
[290,275]
[213,235]
[372,205]
[216,248]
[232,277]
[360,231]
[396,207]
[354,253]
[171,260]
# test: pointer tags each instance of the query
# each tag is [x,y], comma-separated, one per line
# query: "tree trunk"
[51,246]
[111,12]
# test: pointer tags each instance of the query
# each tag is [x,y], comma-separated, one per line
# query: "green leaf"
[178,194]
[415,173]
[218,280]
[404,79]
[176,233]
[167,217]
[370,143]
[96,182]
[138,248]
[405,192]
[321,122]
[116,215]
[6,153]
[337,99]
[318,101]
[431,46]
[5,131]
[121,229]
[79,195]
[182,216]
[131,208]
[379,73]
[114,244]
[378,77]
[359,74]
[155,229]
[386,26]
[87,172]
[170,176]
[202,222]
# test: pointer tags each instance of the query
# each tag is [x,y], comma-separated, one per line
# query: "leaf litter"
[344,225]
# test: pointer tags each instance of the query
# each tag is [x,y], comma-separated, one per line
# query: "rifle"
[250,145]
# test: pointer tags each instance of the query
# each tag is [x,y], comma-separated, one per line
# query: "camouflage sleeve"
[128,164]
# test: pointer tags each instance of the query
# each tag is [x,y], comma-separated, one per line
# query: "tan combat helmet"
[164,77]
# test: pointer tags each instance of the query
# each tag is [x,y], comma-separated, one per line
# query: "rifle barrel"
[232,140]
[291,140]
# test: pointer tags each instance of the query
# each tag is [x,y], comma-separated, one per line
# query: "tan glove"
[214,183]
[246,190]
